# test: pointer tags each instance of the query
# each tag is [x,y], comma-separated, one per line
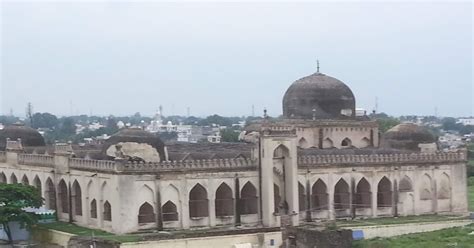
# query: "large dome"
[28,136]
[407,136]
[318,95]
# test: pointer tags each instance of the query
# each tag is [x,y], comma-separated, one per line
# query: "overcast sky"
[222,58]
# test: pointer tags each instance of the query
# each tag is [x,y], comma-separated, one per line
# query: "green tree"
[229,135]
[44,120]
[13,199]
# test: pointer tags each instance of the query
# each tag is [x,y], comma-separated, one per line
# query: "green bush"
[470,181]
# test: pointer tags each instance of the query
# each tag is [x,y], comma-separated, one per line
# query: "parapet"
[404,158]
[36,159]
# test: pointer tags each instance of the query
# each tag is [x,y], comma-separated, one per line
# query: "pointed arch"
[170,211]
[24,180]
[107,211]
[301,197]
[341,195]
[426,188]
[384,193]
[224,202]
[146,213]
[198,202]
[37,184]
[364,142]
[346,143]
[276,198]
[77,198]
[444,188]
[248,199]
[328,143]
[319,195]
[363,194]
[93,209]
[13,178]
[3,178]
[405,185]
[63,196]
[147,194]
[281,151]
[303,143]
[50,194]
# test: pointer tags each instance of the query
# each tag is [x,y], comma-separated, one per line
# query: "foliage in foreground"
[13,199]
[459,237]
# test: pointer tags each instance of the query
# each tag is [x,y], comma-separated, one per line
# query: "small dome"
[29,136]
[136,143]
[318,95]
[407,136]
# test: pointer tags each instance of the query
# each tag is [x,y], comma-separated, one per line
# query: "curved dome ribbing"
[318,95]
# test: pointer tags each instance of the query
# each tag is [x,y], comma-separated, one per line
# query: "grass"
[399,220]
[83,231]
[471,197]
[458,237]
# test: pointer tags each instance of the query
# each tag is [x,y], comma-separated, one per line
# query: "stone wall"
[383,231]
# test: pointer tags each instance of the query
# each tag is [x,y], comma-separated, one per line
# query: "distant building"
[466,121]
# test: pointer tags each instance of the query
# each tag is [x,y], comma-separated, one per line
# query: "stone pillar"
[266,193]
[374,194]
[309,218]
[291,184]
[184,198]
[211,202]
[237,203]
[331,211]
[159,216]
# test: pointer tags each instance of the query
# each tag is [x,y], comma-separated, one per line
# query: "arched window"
[384,193]
[363,194]
[444,189]
[37,184]
[425,191]
[25,180]
[198,202]
[63,196]
[50,194]
[170,212]
[301,197]
[248,199]
[341,195]
[281,152]
[276,197]
[224,203]
[405,185]
[327,143]
[93,209]
[13,179]
[303,143]
[146,213]
[3,178]
[77,198]
[107,211]
[364,142]
[319,196]
[346,143]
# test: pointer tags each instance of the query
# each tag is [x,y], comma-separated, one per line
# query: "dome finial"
[317,62]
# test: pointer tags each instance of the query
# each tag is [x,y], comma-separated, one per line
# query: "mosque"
[319,162]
